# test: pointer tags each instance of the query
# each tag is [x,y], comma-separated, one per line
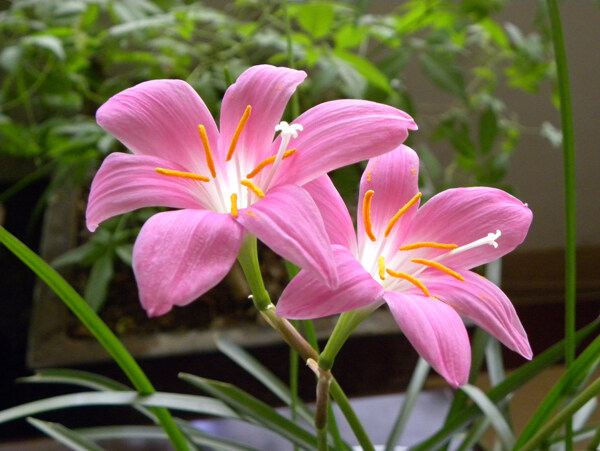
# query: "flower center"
[214,192]
[381,269]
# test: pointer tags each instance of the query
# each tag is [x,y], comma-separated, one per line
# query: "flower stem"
[345,325]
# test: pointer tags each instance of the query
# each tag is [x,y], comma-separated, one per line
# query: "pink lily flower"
[229,181]
[417,260]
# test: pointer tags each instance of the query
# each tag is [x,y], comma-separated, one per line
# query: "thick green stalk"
[96,326]
[568,141]
[342,401]
[566,114]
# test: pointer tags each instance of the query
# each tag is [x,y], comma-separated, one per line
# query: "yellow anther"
[209,159]
[367,214]
[268,161]
[403,210]
[238,132]
[252,187]
[429,244]
[181,174]
[416,282]
[439,267]
[381,262]
[234,210]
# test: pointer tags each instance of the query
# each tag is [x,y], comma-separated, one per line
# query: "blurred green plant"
[60,60]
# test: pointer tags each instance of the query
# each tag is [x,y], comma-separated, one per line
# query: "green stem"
[345,325]
[566,113]
[97,327]
[342,401]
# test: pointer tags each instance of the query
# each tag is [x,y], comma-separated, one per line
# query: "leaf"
[155,433]
[517,379]
[562,390]
[415,387]
[96,289]
[367,69]
[253,410]
[48,42]
[261,373]
[188,403]
[315,18]
[75,256]
[488,130]
[552,134]
[444,73]
[492,413]
[67,437]
[10,58]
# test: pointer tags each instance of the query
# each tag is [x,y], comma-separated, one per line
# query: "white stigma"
[287,133]
[288,130]
[489,239]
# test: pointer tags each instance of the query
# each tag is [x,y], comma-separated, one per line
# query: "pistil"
[489,239]
[287,133]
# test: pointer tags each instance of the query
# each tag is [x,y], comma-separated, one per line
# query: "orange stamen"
[252,187]
[381,262]
[367,214]
[416,282]
[238,132]
[234,210]
[403,210]
[181,174]
[438,266]
[430,244]
[209,159]
[268,161]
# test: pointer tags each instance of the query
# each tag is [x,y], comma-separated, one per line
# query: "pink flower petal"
[267,90]
[288,221]
[334,212]
[127,182]
[436,332]
[160,118]
[485,304]
[306,297]
[463,215]
[180,255]
[394,178]
[339,133]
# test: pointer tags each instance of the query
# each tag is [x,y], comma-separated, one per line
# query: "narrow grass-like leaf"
[155,433]
[253,410]
[517,379]
[262,374]
[73,377]
[66,436]
[492,413]
[544,432]
[415,386]
[561,390]
[189,403]
[95,325]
